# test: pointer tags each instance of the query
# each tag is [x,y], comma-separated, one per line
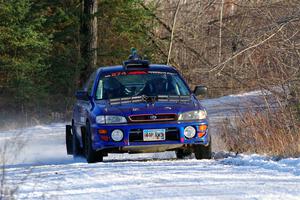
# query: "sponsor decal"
[125,73]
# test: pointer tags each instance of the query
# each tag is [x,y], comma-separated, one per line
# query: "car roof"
[151,67]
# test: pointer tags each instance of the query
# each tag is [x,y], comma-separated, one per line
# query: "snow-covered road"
[245,177]
[42,169]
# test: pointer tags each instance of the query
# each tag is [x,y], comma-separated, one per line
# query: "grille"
[136,135]
[152,118]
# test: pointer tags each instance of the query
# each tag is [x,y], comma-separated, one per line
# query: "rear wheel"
[183,153]
[77,150]
[203,152]
[91,155]
[69,140]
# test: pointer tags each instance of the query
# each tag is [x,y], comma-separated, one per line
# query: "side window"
[180,87]
[99,93]
[89,84]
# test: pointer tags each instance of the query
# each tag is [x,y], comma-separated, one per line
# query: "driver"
[112,88]
[160,86]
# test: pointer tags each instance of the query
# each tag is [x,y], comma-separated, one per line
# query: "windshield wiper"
[150,99]
[134,99]
[124,100]
[174,98]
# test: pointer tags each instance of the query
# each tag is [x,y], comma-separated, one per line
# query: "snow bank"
[289,165]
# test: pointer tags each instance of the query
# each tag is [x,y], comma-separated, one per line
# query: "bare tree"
[173,30]
[234,46]
[230,44]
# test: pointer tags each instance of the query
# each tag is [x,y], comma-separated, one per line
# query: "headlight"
[110,119]
[193,115]
[117,135]
[100,119]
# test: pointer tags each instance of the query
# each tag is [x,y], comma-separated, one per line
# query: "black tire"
[183,153]
[203,152]
[69,140]
[91,155]
[77,150]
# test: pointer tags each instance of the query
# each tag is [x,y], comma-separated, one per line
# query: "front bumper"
[174,140]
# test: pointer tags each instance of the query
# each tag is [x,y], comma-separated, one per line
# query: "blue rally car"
[138,107]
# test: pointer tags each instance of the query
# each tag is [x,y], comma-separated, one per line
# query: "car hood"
[148,108]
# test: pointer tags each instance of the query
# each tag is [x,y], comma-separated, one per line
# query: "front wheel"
[203,152]
[91,155]
[183,153]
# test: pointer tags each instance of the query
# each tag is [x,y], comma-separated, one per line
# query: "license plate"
[154,134]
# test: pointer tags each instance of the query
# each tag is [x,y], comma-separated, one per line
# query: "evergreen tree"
[40,43]
[24,48]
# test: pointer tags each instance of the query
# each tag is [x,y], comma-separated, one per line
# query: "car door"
[82,107]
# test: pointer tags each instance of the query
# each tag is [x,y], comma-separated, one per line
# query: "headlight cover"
[110,119]
[193,115]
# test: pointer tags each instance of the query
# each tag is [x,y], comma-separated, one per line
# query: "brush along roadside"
[275,133]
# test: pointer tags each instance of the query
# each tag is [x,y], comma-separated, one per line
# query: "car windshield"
[137,83]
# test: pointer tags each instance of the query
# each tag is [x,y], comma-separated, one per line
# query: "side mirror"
[200,90]
[82,95]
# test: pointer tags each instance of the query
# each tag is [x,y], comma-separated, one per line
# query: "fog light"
[189,132]
[117,135]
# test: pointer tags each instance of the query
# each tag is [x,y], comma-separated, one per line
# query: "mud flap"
[69,139]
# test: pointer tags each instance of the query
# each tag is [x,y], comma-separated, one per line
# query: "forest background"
[231,46]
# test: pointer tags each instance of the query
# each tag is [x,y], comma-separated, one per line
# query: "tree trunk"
[89,38]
